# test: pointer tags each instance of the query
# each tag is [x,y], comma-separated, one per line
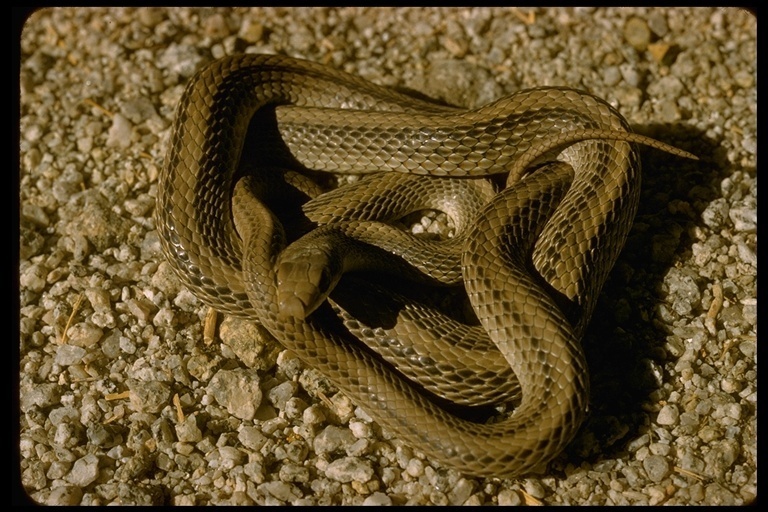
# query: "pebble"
[377,499]
[238,391]
[656,467]
[461,492]
[227,457]
[290,472]
[744,217]
[668,415]
[509,498]
[69,354]
[350,469]
[84,471]
[149,396]
[716,213]
[65,495]
[637,33]
[188,431]
[280,394]
[333,440]
[249,343]
[684,290]
[84,334]
[252,438]
[282,491]
[120,132]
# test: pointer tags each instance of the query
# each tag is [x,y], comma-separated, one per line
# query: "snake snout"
[304,281]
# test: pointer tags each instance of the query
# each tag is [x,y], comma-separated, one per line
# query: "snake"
[542,187]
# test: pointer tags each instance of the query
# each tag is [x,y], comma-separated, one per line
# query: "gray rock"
[656,467]
[238,391]
[69,354]
[377,499]
[149,396]
[188,431]
[350,469]
[668,415]
[333,439]
[65,495]
[84,471]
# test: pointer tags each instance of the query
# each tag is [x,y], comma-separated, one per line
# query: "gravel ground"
[124,399]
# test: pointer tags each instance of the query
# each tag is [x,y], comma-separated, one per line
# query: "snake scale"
[249,240]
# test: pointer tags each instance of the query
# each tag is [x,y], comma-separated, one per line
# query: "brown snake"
[532,259]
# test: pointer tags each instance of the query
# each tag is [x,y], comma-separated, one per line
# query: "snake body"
[532,258]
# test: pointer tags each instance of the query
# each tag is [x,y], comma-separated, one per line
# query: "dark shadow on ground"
[625,342]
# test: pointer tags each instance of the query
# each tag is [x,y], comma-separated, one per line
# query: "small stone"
[84,471]
[251,31]
[229,457]
[683,291]
[281,393]
[238,391]
[534,488]
[715,214]
[138,110]
[120,133]
[509,498]
[668,111]
[721,457]
[415,467]
[65,495]
[744,217]
[99,299]
[668,415]
[459,82]
[638,443]
[658,51]
[656,467]
[280,490]
[252,438]
[295,451]
[660,449]
[33,278]
[249,342]
[150,396]
[632,76]
[657,22]
[67,355]
[333,439]
[461,491]
[63,415]
[746,254]
[377,499]
[67,185]
[187,431]
[350,469]
[611,76]
[637,33]
[438,498]
[360,429]
[41,395]
[84,334]
[669,87]
[313,415]
[102,227]
[180,59]
[34,214]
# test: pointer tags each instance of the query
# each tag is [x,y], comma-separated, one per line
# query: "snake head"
[305,277]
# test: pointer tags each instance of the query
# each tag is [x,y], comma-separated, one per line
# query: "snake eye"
[324,284]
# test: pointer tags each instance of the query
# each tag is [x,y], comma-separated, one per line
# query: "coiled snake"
[531,258]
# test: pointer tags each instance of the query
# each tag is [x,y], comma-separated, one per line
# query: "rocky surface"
[122,401]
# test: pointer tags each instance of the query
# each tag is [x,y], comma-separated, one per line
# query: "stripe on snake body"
[533,260]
